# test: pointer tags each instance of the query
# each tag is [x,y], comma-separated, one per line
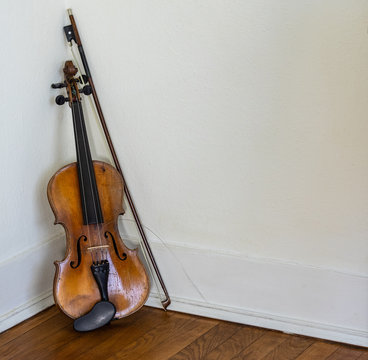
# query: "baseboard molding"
[293,298]
[27,289]
[26,310]
[264,320]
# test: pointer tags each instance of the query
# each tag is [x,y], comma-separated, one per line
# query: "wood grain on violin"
[75,288]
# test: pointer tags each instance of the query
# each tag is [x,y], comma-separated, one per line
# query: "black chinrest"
[101,314]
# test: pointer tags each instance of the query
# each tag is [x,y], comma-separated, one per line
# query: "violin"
[100,278]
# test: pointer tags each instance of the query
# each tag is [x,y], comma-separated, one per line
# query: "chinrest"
[101,314]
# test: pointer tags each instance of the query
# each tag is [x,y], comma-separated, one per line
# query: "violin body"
[75,288]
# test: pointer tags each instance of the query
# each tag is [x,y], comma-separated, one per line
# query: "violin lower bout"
[76,291]
[75,288]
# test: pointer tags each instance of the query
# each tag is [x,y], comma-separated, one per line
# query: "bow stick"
[71,33]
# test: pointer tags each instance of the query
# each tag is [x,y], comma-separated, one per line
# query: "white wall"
[241,126]
[247,120]
[29,143]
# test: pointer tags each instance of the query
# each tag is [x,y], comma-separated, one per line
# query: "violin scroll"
[70,71]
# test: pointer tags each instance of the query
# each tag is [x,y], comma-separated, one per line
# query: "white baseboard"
[293,298]
[264,320]
[26,282]
[26,310]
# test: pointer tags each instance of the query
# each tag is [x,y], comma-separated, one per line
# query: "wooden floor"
[153,334]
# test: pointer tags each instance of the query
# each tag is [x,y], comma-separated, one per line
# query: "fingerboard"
[90,201]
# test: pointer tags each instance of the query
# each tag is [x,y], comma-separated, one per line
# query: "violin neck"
[90,201]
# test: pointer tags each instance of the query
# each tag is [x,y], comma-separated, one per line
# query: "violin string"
[81,174]
[90,103]
[90,182]
[88,227]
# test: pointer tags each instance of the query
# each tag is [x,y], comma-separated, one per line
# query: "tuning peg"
[87,90]
[83,79]
[60,100]
[58,85]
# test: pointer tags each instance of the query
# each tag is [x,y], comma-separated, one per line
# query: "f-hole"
[84,238]
[124,255]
